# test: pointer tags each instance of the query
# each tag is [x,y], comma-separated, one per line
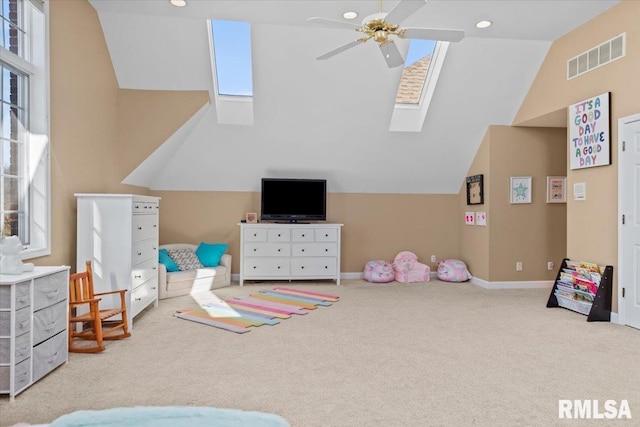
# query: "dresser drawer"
[22,375]
[49,354]
[279,235]
[144,227]
[272,267]
[50,289]
[316,267]
[255,235]
[302,234]
[22,325]
[266,249]
[326,235]
[49,321]
[22,350]
[142,272]
[142,297]
[314,249]
[22,296]
[147,250]
[139,207]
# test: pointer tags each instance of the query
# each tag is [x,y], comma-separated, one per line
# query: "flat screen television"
[293,200]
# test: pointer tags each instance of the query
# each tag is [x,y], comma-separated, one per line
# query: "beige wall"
[592,225]
[529,233]
[376,226]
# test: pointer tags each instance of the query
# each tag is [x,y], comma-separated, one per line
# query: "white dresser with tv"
[271,251]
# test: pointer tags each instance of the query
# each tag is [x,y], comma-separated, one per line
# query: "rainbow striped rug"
[267,307]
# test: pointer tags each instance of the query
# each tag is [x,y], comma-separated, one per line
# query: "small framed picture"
[520,189]
[556,189]
[475,190]
[251,218]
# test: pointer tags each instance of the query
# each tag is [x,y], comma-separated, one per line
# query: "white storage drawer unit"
[289,251]
[118,233]
[33,326]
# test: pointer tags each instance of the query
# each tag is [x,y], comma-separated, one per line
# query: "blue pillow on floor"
[164,258]
[209,254]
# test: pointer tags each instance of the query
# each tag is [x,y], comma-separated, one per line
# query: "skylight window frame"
[230,109]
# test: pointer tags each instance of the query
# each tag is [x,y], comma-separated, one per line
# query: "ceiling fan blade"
[402,10]
[333,23]
[339,49]
[433,34]
[391,54]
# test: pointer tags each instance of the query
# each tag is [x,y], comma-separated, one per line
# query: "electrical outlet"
[550,265]
[433,258]
[518,266]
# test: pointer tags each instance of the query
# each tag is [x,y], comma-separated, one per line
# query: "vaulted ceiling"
[330,119]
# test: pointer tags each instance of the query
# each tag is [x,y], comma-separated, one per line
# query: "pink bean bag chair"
[408,270]
[453,270]
[379,271]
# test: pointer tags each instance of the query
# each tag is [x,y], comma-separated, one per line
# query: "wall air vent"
[598,56]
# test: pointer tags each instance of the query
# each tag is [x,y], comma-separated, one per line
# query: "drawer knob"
[326,266]
[255,249]
[326,250]
[155,225]
[279,234]
[139,228]
[302,267]
[255,235]
[138,276]
[138,299]
[278,267]
[303,235]
[139,253]
[254,267]
[153,288]
[303,250]
[326,235]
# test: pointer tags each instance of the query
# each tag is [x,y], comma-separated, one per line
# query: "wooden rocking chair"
[95,325]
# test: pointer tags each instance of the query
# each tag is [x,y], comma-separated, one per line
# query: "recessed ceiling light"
[178,3]
[350,15]
[484,24]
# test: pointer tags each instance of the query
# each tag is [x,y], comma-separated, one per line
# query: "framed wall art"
[520,189]
[589,132]
[556,189]
[475,190]
[251,217]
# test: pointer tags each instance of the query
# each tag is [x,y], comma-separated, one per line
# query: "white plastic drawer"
[22,350]
[22,375]
[144,227]
[22,296]
[49,321]
[50,289]
[22,325]
[316,249]
[302,235]
[326,235]
[49,354]
[266,249]
[265,267]
[255,235]
[279,235]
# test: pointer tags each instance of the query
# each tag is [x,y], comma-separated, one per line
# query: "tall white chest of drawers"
[118,233]
[289,251]
[33,326]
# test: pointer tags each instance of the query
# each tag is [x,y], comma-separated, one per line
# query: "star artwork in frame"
[520,189]
[475,190]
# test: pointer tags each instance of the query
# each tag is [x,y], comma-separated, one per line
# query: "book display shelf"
[583,287]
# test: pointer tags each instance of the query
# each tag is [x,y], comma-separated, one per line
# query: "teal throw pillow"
[209,254]
[164,258]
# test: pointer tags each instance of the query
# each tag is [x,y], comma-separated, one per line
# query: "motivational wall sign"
[589,135]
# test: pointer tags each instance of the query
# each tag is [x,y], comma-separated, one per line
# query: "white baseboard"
[534,284]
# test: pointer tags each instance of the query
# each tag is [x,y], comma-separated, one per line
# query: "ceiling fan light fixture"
[483,24]
[350,15]
[178,3]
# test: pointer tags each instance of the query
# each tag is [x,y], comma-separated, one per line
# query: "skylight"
[417,84]
[414,75]
[232,50]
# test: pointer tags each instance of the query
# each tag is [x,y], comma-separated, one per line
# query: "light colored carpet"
[434,354]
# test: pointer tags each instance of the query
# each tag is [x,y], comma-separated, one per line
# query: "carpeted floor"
[433,354]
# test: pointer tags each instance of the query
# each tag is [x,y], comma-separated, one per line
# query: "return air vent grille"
[598,56]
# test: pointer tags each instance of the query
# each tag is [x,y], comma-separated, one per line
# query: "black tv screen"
[293,200]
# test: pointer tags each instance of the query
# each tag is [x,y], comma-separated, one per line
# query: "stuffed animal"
[10,263]
[408,270]
[453,270]
[378,271]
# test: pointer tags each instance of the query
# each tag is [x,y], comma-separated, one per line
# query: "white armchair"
[173,284]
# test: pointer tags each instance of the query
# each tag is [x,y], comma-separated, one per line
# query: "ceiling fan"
[380,26]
